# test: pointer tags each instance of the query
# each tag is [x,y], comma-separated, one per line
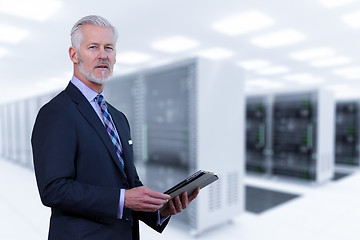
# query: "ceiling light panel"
[264,83]
[343,91]
[352,19]
[38,10]
[216,53]
[304,79]
[350,94]
[272,70]
[10,34]
[132,58]
[253,64]
[243,23]
[330,62]
[336,3]
[341,87]
[176,44]
[276,39]
[348,72]
[312,53]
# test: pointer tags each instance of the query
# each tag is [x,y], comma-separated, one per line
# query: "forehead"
[97,34]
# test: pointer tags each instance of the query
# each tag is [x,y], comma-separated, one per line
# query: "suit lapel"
[122,130]
[90,115]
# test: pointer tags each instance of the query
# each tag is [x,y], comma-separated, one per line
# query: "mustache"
[103,63]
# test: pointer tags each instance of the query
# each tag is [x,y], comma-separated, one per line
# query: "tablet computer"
[199,179]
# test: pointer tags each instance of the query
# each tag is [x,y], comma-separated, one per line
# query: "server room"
[264,94]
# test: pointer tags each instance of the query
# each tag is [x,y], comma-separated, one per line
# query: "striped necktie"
[110,128]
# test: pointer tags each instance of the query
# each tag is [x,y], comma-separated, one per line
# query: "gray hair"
[76,34]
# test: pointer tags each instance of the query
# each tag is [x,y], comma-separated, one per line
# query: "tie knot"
[100,99]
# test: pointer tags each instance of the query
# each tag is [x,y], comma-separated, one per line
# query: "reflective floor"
[259,200]
[329,212]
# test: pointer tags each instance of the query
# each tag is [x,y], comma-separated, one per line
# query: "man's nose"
[103,54]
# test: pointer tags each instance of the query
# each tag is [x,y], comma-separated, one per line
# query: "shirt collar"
[85,90]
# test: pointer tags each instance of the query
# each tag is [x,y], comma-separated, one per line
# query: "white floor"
[325,212]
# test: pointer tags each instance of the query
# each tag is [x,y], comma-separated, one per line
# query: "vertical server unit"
[191,125]
[125,94]
[16,122]
[187,123]
[302,135]
[3,133]
[32,107]
[257,143]
[347,133]
[168,127]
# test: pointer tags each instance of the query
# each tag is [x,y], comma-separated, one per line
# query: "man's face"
[97,54]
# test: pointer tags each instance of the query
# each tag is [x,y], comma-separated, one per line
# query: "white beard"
[90,75]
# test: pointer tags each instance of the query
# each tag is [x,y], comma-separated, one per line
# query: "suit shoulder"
[61,103]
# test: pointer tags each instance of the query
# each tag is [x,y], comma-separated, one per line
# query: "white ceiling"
[40,62]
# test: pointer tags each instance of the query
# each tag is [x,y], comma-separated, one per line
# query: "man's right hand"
[144,199]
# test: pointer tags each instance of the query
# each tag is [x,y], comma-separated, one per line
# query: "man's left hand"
[177,204]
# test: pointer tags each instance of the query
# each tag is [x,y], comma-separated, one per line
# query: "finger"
[149,207]
[193,195]
[151,202]
[158,195]
[177,204]
[169,210]
[184,200]
[171,207]
[154,201]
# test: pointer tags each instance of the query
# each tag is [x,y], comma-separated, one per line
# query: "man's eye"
[92,47]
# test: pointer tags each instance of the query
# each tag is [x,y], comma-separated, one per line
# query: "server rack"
[347,133]
[32,109]
[168,126]
[10,132]
[3,134]
[301,129]
[294,136]
[187,124]
[257,134]
[17,120]
[125,93]
[11,128]
[22,138]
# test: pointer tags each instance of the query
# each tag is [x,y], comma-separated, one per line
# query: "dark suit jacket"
[78,172]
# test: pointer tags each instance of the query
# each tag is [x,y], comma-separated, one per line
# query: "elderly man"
[83,154]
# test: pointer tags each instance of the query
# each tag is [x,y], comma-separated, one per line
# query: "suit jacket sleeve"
[54,143]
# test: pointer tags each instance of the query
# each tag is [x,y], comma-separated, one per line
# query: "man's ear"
[73,55]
